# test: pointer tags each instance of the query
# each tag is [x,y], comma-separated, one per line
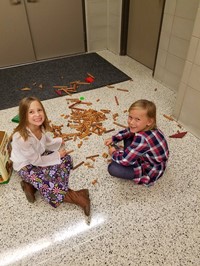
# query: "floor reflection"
[81,227]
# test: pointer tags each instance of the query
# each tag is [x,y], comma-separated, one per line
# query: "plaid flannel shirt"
[148,154]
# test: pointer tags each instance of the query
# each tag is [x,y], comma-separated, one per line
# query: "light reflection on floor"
[18,254]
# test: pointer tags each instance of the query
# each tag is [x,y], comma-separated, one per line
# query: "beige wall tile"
[192,48]
[96,20]
[98,45]
[164,40]
[114,25]
[159,73]
[161,58]
[97,7]
[182,28]
[179,100]
[197,55]
[186,9]
[98,33]
[170,6]
[190,111]
[167,23]
[194,79]
[103,19]
[196,31]
[114,6]
[186,72]
[178,47]
[171,80]
[182,44]
[175,64]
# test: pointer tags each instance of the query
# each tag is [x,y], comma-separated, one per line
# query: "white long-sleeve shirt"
[30,151]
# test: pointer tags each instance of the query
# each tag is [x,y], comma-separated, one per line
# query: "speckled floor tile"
[129,224]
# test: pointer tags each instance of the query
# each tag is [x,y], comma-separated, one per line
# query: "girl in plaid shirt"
[144,156]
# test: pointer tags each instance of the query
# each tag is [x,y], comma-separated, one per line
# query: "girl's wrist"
[111,150]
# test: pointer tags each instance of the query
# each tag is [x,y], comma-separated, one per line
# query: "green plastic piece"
[15,119]
[82,98]
[5,182]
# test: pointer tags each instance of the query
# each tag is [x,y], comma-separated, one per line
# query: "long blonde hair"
[24,106]
[150,107]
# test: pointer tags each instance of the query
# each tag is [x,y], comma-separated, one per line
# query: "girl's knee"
[120,171]
[112,170]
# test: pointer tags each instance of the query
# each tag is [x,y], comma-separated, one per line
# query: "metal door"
[32,30]
[143,30]
[15,43]
[57,27]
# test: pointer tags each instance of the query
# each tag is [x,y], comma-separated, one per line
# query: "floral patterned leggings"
[50,181]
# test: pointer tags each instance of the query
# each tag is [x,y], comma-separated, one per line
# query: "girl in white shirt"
[41,160]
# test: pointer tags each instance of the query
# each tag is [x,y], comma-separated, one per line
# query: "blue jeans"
[120,171]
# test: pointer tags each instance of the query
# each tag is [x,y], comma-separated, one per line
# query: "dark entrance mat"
[42,76]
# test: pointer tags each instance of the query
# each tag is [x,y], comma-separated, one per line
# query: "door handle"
[15,2]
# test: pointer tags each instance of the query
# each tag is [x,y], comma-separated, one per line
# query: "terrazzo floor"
[129,224]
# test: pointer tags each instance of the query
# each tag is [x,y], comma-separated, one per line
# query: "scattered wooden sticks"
[105,155]
[90,75]
[72,99]
[94,181]
[80,144]
[168,117]
[105,111]
[25,89]
[120,125]
[70,106]
[92,156]
[40,86]
[110,130]
[73,86]
[78,165]
[57,132]
[67,90]
[74,82]
[60,87]
[89,165]
[83,83]
[110,86]
[87,122]
[117,102]
[79,102]
[115,116]
[122,90]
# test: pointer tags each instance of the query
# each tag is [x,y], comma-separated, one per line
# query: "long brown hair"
[24,106]
[150,107]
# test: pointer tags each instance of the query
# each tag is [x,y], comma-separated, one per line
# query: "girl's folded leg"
[120,171]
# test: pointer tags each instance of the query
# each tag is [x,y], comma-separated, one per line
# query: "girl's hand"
[62,153]
[107,142]
[111,150]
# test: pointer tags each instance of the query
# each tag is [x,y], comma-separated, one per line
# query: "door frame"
[124,27]
[124,30]
[84,26]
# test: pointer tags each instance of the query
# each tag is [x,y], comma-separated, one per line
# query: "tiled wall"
[178,23]
[178,60]
[187,109]
[103,19]
[114,25]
